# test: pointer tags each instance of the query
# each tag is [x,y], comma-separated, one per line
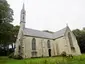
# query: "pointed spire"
[23,9]
[23,13]
[23,6]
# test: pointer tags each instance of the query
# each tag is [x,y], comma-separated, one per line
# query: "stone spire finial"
[66,24]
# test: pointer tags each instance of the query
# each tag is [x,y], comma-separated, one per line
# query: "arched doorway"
[49,47]
[49,52]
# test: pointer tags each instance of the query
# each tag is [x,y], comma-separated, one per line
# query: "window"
[48,43]
[34,52]
[70,39]
[33,44]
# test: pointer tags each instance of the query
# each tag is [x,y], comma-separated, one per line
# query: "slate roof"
[37,33]
[59,33]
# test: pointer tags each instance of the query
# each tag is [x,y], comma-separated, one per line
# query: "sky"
[51,15]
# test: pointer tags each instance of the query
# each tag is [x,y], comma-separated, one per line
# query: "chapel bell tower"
[22,17]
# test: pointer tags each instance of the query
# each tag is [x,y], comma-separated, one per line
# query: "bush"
[15,57]
[63,54]
[70,56]
[11,55]
[18,57]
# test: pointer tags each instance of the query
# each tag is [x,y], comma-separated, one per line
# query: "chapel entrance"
[49,52]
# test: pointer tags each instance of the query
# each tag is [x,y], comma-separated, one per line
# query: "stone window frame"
[33,44]
[48,44]
[34,52]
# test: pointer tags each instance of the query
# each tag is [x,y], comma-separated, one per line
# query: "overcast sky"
[50,15]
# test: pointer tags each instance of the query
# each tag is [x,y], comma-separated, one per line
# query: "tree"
[8,36]
[6,12]
[14,34]
[80,35]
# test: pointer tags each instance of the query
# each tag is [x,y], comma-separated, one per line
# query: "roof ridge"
[38,30]
[38,33]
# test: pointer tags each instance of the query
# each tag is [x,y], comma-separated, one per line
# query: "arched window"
[70,39]
[48,43]
[33,44]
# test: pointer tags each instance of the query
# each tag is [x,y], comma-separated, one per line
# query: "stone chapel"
[34,43]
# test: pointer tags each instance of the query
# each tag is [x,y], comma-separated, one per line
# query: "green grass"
[50,60]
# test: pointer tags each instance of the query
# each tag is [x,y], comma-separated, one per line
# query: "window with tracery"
[33,44]
[48,43]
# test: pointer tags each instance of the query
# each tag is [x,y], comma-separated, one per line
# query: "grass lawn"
[50,60]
